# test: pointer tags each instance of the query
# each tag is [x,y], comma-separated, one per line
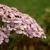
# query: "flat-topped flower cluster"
[19,22]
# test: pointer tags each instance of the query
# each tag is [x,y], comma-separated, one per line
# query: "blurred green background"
[38,9]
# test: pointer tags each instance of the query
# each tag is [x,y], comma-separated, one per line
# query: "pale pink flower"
[20,22]
[3,35]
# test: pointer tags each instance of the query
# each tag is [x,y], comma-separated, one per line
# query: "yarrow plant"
[19,22]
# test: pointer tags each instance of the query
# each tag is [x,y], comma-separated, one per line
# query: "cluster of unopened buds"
[19,22]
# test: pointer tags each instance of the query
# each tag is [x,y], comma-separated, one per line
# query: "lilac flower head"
[3,35]
[20,22]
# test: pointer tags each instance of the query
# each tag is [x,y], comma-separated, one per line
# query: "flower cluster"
[4,34]
[19,22]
